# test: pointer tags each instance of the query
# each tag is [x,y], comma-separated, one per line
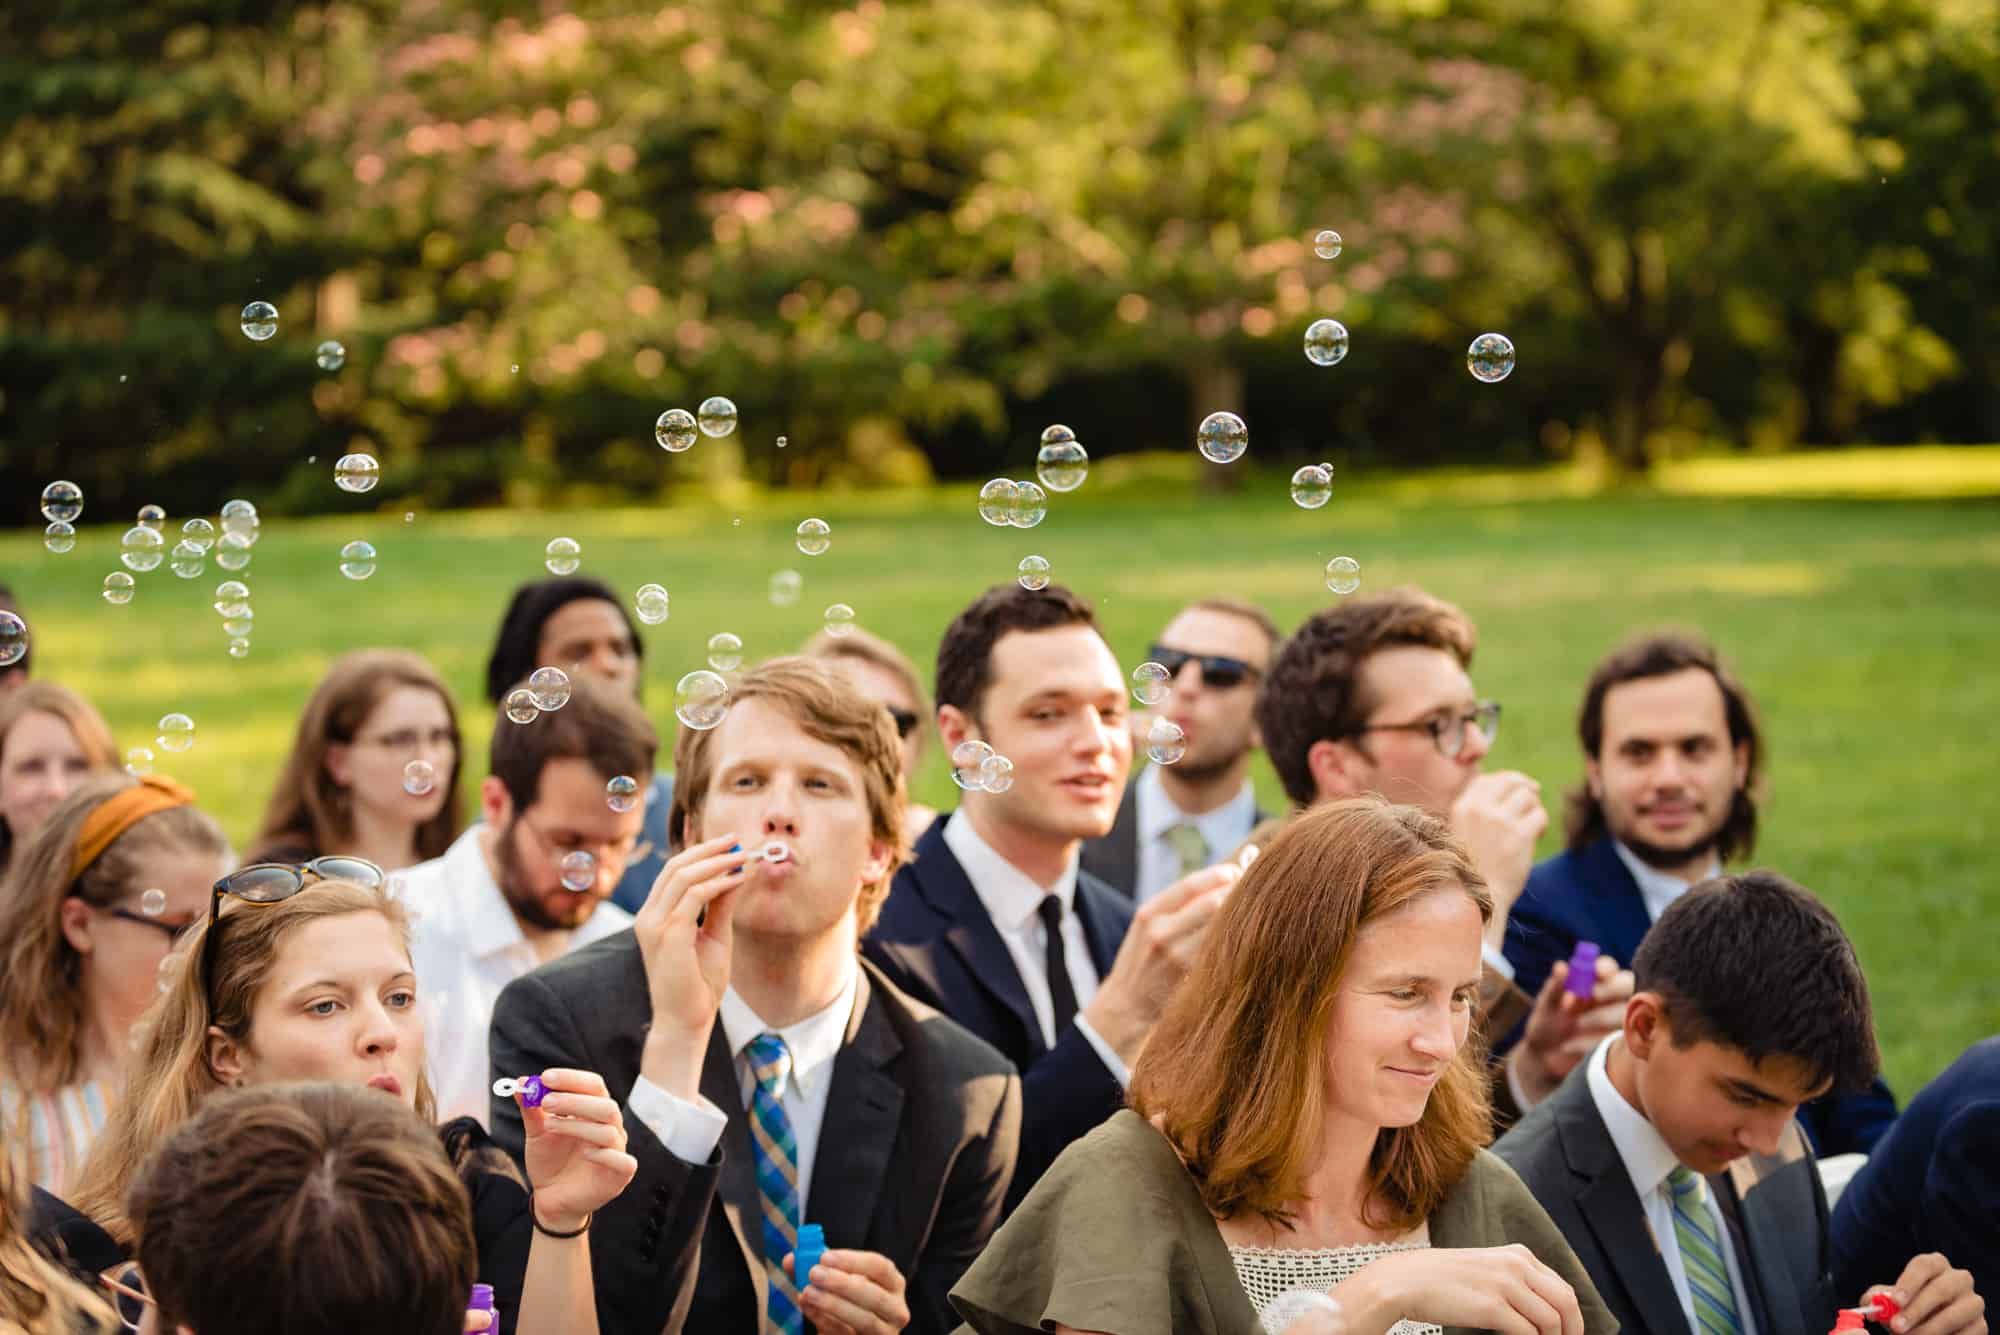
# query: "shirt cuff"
[1522,1099]
[1105,1053]
[1501,964]
[689,1131]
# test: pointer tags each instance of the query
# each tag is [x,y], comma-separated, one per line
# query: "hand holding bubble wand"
[574,1146]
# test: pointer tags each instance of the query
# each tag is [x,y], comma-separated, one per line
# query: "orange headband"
[120,812]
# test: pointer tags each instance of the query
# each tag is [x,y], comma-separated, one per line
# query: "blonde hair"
[37,1296]
[86,725]
[169,1074]
[862,647]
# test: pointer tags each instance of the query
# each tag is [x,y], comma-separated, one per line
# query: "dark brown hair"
[601,724]
[1662,654]
[1312,691]
[965,655]
[1234,1074]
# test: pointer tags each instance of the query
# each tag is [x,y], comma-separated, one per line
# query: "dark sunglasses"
[906,721]
[269,882]
[1217,673]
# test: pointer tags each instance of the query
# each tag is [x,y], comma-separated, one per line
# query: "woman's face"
[121,945]
[40,762]
[878,683]
[409,723]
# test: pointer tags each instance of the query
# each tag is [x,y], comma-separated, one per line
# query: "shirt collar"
[1656,887]
[1011,896]
[1647,1159]
[814,1042]
[1222,829]
[490,925]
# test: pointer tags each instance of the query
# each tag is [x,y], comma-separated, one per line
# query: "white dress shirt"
[466,945]
[1648,1161]
[1154,814]
[1656,887]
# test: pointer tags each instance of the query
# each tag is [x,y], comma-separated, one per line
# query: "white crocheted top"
[1268,1272]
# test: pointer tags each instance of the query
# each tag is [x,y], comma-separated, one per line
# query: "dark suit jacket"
[1932,1184]
[1587,894]
[1773,1207]
[1114,859]
[918,1143]
[935,940]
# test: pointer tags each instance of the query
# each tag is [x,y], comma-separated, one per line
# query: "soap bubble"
[199,532]
[996,774]
[238,627]
[520,705]
[1034,573]
[232,551]
[651,603]
[675,430]
[701,699]
[968,758]
[13,639]
[330,355]
[717,416]
[188,559]
[781,442]
[1327,244]
[239,648]
[562,556]
[1312,486]
[1165,742]
[1490,358]
[550,688]
[142,549]
[139,761]
[622,794]
[62,502]
[1061,463]
[260,320]
[357,559]
[1030,507]
[239,516]
[356,473]
[785,587]
[419,778]
[996,500]
[118,588]
[839,619]
[1222,438]
[176,732]
[1150,683]
[579,870]
[153,903]
[1343,574]
[814,537]
[152,517]
[59,536]
[232,598]
[1326,342]
[725,651]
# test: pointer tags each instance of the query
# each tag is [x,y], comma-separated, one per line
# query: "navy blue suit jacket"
[935,941]
[1588,894]
[1932,1185]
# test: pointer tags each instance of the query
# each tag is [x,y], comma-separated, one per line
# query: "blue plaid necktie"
[777,1156]
[1700,1239]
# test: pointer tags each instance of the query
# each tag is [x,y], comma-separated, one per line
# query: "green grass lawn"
[1865,626]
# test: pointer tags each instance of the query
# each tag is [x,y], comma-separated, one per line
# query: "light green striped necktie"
[1188,846]
[1699,1234]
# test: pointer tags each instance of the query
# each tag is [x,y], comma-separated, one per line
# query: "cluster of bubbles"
[977,767]
[232,604]
[701,698]
[1007,504]
[1166,741]
[546,691]
[1061,463]
[621,793]
[678,429]
[651,603]
[814,537]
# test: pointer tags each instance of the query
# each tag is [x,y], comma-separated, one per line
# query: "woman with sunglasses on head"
[304,973]
[374,769]
[883,672]
[88,911]
[50,738]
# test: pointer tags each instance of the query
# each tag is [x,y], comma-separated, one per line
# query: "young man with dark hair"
[1176,819]
[532,880]
[1672,1162]
[994,923]
[1673,765]
[770,1078]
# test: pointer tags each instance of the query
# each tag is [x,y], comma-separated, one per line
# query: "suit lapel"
[857,1137]
[1760,1225]
[972,935]
[1610,1206]
[1121,863]
[737,1190]
[1623,907]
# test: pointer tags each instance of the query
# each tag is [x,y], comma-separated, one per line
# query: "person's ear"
[76,924]
[1742,778]
[340,764]
[1593,778]
[1646,1025]
[879,855]
[494,805]
[1334,768]
[955,726]
[225,1057]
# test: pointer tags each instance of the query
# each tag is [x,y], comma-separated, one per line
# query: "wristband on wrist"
[548,1232]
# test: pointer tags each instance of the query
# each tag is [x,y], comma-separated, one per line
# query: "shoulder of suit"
[1102,896]
[587,964]
[953,1052]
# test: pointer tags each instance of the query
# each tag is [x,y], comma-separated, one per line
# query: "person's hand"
[1504,1289]
[852,1293]
[1498,818]
[1936,1299]
[683,930]
[1563,1030]
[1165,935]
[575,1150]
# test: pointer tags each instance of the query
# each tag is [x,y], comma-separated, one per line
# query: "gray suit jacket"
[915,1154]
[1774,1208]
[1114,859]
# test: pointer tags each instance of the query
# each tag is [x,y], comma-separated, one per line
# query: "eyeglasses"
[128,1294]
[906,720]
[1448,730]
[174,930]
[1217,672]
[616,856]
[405,740]
[269,882]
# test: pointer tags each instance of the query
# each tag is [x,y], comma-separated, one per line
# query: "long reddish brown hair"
[1234,1074]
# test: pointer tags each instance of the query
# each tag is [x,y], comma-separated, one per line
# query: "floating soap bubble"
[968,758]
[1030,507]
[675,430]
[579,870]
[176,733]
[786,586]
[356,473]
[1034,573]
[996,774]
[1312,486]
[188,559]
[239,648]
[59,536]
[232,551]
[1326,342]
[701,698]
[142,549]
[1150,683]
[814,537]
[1061,463]
[1343,574]
[1222,438]
[419,778]
[622,794]
[1165,742]
[236,627]
[199,532]
[550,687]
[139,761]
[118,588]
[781,442]
[562,556]
[232,598]
[725,651]
[13,639]
[357,559]
[996,501]
[1490,358]
[330,355]
[839,619]
[62,502]
[1327,244]
[651,603]
[152,517]
[240,516]
[716,416]
[520,705]
[153,903]
[260,320]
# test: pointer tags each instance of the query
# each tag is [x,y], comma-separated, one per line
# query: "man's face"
[589,635]
[1215,716]
[1410,684]
[1665,773]
[1709,1102]
[569,814]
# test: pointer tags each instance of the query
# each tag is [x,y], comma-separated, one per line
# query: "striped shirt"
[61,1124]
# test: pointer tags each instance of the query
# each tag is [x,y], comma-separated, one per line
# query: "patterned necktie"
[1700,1238]
[777,1156]
[1188,846]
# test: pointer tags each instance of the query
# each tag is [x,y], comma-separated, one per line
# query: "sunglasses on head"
[906,720]
[1217,673]
[269,882]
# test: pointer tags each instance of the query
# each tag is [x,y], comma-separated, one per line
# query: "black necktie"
[1062,997]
